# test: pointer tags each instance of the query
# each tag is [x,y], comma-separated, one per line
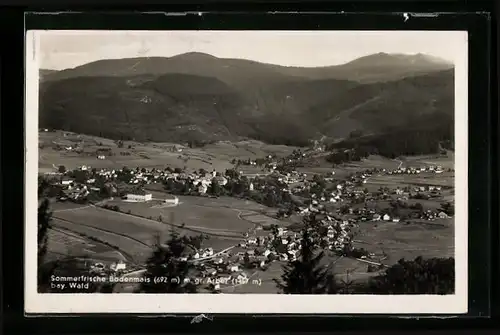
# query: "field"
[129,235]
[227,217]
[132,250]
[62,243]
[134,154]
[447,162]
[397,240]
[445,179]
[134,235]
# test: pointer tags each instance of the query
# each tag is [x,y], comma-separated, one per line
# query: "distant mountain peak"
[394,59]
[194,54]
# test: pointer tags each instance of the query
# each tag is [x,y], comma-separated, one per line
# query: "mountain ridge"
[285,109]
[197,63]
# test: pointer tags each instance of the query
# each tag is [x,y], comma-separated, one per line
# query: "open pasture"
[149,155]
[445,179]
[217,216]
[400,240]
[447,162]
[133,235]
[59,206]
[371,162]
[246,149]
[195,215]
[130,247]
[118,223]
[65,242]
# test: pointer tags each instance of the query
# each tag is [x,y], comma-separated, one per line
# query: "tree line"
[431,135]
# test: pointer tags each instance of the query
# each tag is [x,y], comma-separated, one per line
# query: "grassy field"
[137,251]
[213,156]
[63,243]
[445,179]
[215,216]
[140,229]
[370,163]
[427,239]
[447,162]
[130,234]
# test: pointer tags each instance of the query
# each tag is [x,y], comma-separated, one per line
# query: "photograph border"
[247,303]
[281,311]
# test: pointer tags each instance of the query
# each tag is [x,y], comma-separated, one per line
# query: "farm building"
[173,201]
[140,197]
[67,181]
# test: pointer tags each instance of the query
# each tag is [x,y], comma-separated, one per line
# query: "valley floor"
[107,236]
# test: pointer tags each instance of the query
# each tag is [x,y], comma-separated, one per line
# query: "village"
[338,204]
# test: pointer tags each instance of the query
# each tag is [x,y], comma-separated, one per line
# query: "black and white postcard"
[246,172]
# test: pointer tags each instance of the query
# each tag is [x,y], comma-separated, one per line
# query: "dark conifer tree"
[419,276]
[307,275]
[166,262]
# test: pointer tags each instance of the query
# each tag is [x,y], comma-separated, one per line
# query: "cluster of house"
[115,267]
[416,170]
[284,244]
[75,190]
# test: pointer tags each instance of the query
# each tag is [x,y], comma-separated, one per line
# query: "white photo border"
[52,303]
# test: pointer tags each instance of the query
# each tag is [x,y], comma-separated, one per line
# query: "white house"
[172,201]
[202,188]
[386,217]
[140,197]
[209,251]
[101,157]
[233,268]
[281,231]
[66,182]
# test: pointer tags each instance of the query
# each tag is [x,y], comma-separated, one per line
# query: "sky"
[67,49]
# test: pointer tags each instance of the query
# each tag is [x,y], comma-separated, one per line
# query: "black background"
[476,17]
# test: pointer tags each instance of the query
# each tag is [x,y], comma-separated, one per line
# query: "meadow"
[445,179]
[132,249]
[62,243]
[134,236]
[401,240]
[149,155]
